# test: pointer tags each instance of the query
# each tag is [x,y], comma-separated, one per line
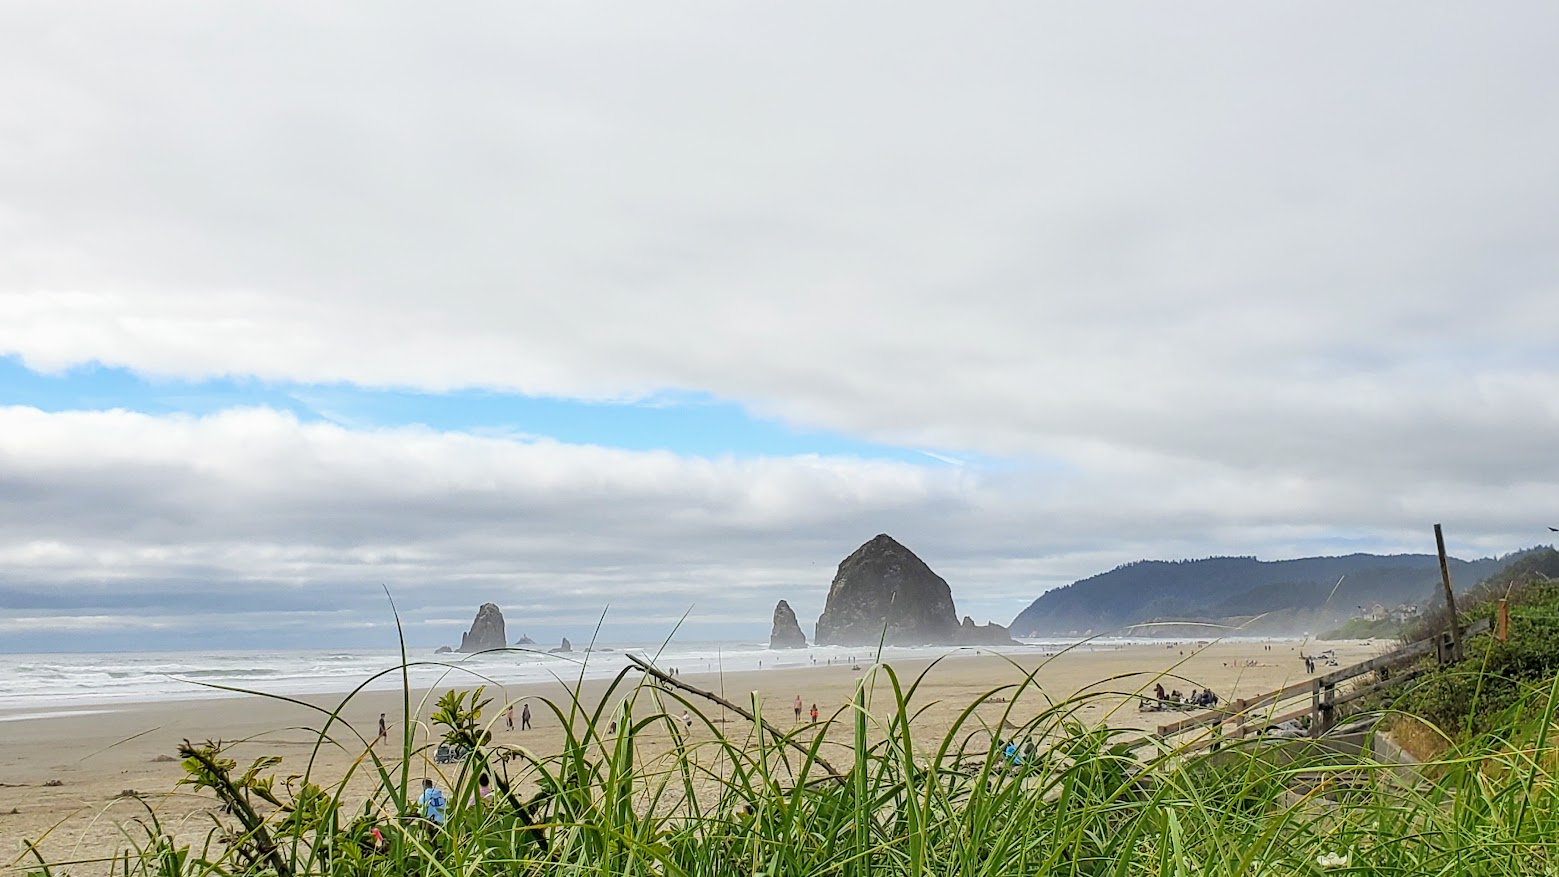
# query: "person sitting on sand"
[432,803]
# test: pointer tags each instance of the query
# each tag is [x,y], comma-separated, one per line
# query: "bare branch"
[649,670]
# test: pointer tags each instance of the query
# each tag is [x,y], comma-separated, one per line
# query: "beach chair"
[448,754]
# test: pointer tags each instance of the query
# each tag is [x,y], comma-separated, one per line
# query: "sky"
[652,313]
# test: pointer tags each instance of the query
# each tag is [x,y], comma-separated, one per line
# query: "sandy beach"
[66,779]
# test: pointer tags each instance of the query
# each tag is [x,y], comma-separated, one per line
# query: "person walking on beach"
[814,713]
[508,716]
[525,717]
[384,730]
[687,719]
[797,707]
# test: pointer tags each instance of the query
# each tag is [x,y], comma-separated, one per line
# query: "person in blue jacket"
[432,802]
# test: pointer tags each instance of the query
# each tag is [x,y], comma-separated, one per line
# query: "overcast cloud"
[1182,281]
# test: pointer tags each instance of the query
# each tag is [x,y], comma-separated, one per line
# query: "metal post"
[1450,597]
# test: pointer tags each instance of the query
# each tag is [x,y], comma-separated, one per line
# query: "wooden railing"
[1324,699]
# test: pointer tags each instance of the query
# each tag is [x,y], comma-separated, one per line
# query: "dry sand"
[96,757]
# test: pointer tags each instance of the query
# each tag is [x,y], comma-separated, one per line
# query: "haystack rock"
[486,631]
[884,593]
[563,649]
[786,633]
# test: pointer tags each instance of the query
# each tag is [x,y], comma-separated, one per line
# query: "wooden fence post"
[1450,597]
[1328,708]
[1502,628]
[1315,708]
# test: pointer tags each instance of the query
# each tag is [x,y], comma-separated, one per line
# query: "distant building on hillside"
[1405,612]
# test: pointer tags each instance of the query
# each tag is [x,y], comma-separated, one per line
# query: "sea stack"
[486,631]
[786,633]
[884,593]
[990,634]
[563,649]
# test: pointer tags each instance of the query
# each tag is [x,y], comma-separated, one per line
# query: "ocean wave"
[33,681]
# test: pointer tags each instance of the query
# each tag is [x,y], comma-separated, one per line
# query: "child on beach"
[384,730]
[432,803]
[814,713]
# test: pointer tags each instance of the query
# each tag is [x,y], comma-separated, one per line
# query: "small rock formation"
[884,593]
[486,631]
[786,633]
[563,649]
[524,641]
[442,650]
[992,634]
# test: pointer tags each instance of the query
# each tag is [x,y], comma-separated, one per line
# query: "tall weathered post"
[1450,598]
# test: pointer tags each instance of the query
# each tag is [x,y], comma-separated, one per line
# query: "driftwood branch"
[650,670]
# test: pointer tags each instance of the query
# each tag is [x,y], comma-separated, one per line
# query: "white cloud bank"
[1249,280]
[250,514]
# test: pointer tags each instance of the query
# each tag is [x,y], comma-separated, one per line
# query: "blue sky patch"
[685,423]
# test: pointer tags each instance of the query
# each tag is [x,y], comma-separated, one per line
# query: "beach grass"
[861,793]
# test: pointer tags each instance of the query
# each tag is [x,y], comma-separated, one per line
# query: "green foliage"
[1365,628]
[729,800]
[1479,694]
[460,714]
[1525,569]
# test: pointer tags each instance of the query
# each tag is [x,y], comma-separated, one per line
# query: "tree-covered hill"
[1293,594]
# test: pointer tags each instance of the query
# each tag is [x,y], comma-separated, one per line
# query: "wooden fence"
[1249,716]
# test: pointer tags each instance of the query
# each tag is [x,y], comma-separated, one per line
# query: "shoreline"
[52,681]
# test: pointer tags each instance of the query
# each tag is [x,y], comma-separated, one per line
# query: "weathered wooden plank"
[1234,709]
[1402,655]
[1367,690]
[1242,708]
[1390,659]
[1274,721]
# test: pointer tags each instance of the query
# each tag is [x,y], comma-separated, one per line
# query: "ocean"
[33,682]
